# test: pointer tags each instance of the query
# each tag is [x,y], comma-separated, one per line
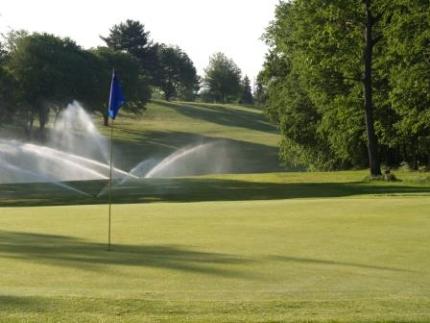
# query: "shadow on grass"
[72,252]
[222,115]
[332,263]
[193,190]
[245,157]
[67,251]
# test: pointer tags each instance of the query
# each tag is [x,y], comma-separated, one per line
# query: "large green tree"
[177,74]
[48,71]
[328,53]
[222,81]
[408,67]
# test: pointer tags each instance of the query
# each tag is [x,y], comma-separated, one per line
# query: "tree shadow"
[72,252]
[65,251]
[222,115]
[245,157]
[312,261]
[198,189]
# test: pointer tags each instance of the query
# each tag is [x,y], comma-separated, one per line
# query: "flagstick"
[110,189]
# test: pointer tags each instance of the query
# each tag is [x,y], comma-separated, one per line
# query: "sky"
[199,27]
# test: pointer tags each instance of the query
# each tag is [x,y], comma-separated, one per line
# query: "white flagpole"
[110,189]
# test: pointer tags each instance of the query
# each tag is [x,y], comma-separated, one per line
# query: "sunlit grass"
[270,246]
[336,259]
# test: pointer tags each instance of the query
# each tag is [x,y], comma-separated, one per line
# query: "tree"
[48,71]
[132,38]
[8,100]
[135,84]
[320,46]
[408,65]
[223,79]
[247,97]
[260,91]
[3,53]
[177,74]
[370,42]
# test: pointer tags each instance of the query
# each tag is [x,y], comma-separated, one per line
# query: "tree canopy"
[222,81]
[177,74]
[246,97]
[41,73]
[47,72]
[131,37]
[329,62]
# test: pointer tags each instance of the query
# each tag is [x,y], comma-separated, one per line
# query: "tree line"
[348,82]
[40,73]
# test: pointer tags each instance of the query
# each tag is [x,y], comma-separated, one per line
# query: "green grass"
[167,126]
[258,245]
[230,187]
[345,259]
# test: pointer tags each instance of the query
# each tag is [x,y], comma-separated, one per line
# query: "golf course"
[258,242]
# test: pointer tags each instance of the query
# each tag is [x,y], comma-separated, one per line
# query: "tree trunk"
[29,124]
[105,120]
[372,147]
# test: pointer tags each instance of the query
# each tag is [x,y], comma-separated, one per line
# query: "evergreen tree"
[131,37]
[247,97]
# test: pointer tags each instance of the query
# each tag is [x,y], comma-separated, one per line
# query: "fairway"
[342,259]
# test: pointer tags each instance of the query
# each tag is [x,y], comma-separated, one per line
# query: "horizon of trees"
[40,73]
[348,82]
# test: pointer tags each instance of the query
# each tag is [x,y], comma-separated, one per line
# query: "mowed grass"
[257,245]
[164,127]
[337,259]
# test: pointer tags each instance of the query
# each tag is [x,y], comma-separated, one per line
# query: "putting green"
[342,259]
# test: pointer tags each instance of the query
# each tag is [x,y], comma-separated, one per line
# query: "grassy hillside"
[256,245]
[252,142]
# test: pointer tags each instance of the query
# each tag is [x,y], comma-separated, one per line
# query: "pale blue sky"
[200,27]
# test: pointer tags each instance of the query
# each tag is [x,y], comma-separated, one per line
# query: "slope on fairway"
[248,139]
[339,259]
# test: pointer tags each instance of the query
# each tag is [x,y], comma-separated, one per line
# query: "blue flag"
[116,98]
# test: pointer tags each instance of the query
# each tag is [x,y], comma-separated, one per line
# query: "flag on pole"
[116,97]
[116,100]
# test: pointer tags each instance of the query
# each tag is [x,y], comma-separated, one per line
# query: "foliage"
[134,83]
[7,95]
[222,82]
[260,90]
[48,71]
[313,81]
[177,74]
[166,67]
[246,97]
[131,37]
[408,56]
